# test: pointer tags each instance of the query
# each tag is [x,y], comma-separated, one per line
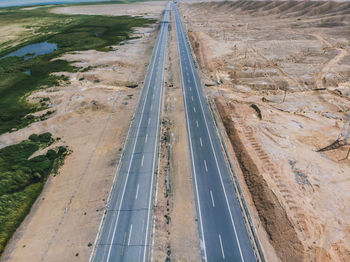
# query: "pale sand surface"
[151,9]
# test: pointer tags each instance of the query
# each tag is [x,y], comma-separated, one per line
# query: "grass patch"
[70,33]
[22,179]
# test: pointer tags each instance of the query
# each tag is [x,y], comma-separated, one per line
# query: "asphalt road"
[223,234]
[126,230]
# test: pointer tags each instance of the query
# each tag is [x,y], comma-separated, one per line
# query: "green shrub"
[51,154]
[34,137]
[22,179]
[45,138]
[62,150]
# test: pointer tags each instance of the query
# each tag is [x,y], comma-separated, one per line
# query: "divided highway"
[126,230]
[223,234]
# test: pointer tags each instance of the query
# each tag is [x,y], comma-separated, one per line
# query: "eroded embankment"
[274,218]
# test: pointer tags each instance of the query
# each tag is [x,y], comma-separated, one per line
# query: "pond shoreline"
[33,50]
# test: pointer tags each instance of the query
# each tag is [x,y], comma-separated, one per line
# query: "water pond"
[33,50]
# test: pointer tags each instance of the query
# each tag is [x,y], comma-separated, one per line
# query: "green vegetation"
[70,33]
[22,179]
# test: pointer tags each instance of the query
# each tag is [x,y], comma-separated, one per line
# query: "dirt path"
[320,76]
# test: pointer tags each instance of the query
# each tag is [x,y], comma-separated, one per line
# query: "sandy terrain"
[176,235]
[17,31]
[151,9]
[280,73]
[92,117]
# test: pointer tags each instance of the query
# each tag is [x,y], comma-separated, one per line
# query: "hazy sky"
[4,3]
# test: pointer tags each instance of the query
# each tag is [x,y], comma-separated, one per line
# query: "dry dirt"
[151,9]
[92,117]
[176,234]
[278,72]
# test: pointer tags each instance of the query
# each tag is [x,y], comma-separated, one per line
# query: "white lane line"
[200,141]
[129,235]
[197,123]
[205,164]
[143,158]
[146,138]
[137,191]
[151,107]
[212,146]
[222,248]
[149,120]
[192,98]
[133,151]
[155,153]
[191,147]
[190,89]
[194,109]
[212,198]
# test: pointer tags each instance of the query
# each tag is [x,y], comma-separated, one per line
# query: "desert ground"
[150,9]
[92,116]
[278,75]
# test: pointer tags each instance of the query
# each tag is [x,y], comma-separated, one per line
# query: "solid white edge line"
[131,160]
[156,193]
[98,235]
[234,227]
[217,164]
[190,140]
[109,196]
[155,145]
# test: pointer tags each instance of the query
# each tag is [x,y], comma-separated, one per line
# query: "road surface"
[223,234]
[126,232]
